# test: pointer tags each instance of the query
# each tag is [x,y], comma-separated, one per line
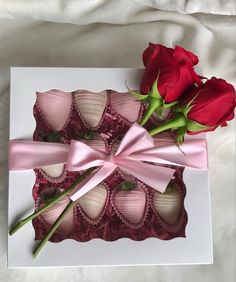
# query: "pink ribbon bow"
[136,148]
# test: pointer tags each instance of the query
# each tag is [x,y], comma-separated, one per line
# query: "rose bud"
[169,72]
[202,109]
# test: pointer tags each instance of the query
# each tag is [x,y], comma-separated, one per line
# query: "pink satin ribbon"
[136,148]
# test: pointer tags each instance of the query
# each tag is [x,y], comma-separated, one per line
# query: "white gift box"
[196,248]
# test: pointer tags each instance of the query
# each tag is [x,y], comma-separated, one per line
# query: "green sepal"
[195,126]
[128,185]
[186,109]
[47,197]
[53,137]
[170,105]
[154,90]
[180,135]
[88,135]
[139,96]
[169,189]
[176,108]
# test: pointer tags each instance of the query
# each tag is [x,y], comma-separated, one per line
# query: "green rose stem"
[154,104]
[53,201]
[53,228]
[153,99]
[127,185]
[177,122]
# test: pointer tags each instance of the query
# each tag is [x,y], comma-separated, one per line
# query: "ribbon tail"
[157,177]
[93,180]
[193,154]
[27,154]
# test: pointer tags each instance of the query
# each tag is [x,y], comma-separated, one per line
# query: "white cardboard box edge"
[196,248]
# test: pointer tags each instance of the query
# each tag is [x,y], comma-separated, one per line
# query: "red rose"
[202,109]
[212,105]
[175,69]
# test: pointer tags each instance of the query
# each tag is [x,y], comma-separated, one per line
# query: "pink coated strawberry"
[168,205]
[51,215]
[91,105]
[126,105]
[131,204]
[55,106]
[54,170]
[93,202]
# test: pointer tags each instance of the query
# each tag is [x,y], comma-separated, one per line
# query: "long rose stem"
[53,201]
[53,228]
[176,122]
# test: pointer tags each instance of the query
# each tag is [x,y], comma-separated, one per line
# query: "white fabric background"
[113,33]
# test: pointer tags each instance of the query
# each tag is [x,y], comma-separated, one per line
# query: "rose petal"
[213,103]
